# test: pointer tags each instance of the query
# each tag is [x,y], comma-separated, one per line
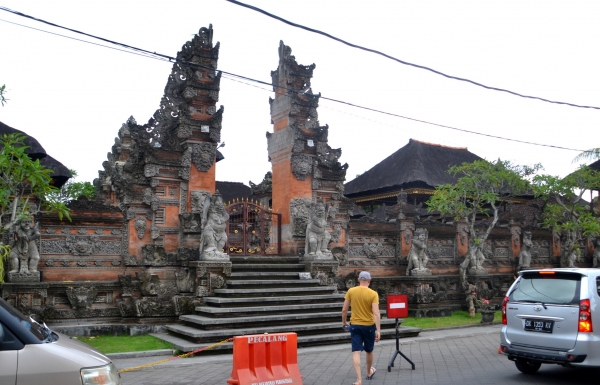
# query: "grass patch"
[458,318]
[125,343]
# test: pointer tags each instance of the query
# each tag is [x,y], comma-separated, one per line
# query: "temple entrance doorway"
[252,229]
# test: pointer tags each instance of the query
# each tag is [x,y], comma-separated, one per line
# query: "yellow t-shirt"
[361,300]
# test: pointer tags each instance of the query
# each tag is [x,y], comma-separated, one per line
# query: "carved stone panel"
[203,155]
[300,209]
[301,165]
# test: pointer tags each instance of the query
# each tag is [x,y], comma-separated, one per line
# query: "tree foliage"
[479,190]
[3,91]
[73,190]
[565,211]
[22,180]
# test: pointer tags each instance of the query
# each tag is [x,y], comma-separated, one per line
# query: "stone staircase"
[266,295]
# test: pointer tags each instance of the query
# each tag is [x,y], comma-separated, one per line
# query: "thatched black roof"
[232,190]
[60,174]
[35,150]
[418,164]
[595,165]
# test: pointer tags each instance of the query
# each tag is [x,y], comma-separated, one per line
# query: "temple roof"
[232,190]
[595,165]
[60,173]
[418,164]
[35,150]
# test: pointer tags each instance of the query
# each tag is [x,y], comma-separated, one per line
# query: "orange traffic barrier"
[265,359]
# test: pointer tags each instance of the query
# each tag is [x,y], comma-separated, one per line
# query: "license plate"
[533,325]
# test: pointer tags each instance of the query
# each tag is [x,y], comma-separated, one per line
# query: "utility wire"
[402,61]
[157,56]
[85,41]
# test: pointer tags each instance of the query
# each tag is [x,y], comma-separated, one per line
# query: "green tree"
[21,181]
[3,91]
[73,190]
[480,189]
[565,211]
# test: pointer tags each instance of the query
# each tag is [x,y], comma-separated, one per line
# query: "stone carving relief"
[301,165]
[140,226]
[83,245]
[198,199]
[150,199]
[372,250]
[203,155]
[299,210]
[81,297]
[185,281]
[190,222]
[151,170]
[129,284]
[263,188]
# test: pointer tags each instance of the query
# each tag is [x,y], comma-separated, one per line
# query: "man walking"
[364,323]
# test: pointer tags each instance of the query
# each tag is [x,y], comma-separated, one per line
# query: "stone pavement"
[452,356]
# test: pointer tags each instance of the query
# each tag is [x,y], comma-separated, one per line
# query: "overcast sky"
[73,97]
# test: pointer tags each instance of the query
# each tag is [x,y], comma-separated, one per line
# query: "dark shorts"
[363,338]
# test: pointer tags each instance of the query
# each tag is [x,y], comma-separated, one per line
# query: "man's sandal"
[373,370]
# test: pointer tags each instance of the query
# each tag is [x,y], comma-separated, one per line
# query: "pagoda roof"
[418,164]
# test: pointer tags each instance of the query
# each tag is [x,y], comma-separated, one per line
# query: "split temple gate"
[132,254]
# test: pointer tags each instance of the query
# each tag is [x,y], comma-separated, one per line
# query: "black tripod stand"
[391,364]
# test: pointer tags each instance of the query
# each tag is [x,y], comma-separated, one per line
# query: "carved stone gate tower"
[305,168]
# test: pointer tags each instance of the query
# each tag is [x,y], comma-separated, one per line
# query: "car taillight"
[504,303]
[585,316]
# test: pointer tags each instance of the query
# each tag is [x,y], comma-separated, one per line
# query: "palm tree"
[588,155]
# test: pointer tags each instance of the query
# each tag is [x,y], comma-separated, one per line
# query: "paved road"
[458,356]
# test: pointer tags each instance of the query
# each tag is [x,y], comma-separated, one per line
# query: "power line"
[402,61]
[425,122]
[84,41]
[162,57]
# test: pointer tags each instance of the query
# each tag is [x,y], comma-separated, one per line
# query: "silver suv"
[548,318]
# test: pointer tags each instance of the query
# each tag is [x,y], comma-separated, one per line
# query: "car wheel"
[526,366]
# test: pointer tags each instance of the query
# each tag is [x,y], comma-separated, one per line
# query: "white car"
[32,354]
[549,317]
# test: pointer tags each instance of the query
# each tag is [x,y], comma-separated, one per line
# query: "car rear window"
[557,288]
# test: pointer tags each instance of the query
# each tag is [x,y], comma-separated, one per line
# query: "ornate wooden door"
[252,229]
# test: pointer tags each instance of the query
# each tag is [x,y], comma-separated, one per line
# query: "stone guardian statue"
[213,225]
[24,257]
[317,236]
[525,254]
[417,255]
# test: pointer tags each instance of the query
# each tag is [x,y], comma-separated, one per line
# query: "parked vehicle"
[548,318]
[31,353]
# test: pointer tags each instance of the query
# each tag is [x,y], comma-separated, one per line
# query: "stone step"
[269,275]
[271,283]
[275,291]
[299,267]
[197,335]
[260,301]
[270,259]
[262,320]
[185,345]
[286,309]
